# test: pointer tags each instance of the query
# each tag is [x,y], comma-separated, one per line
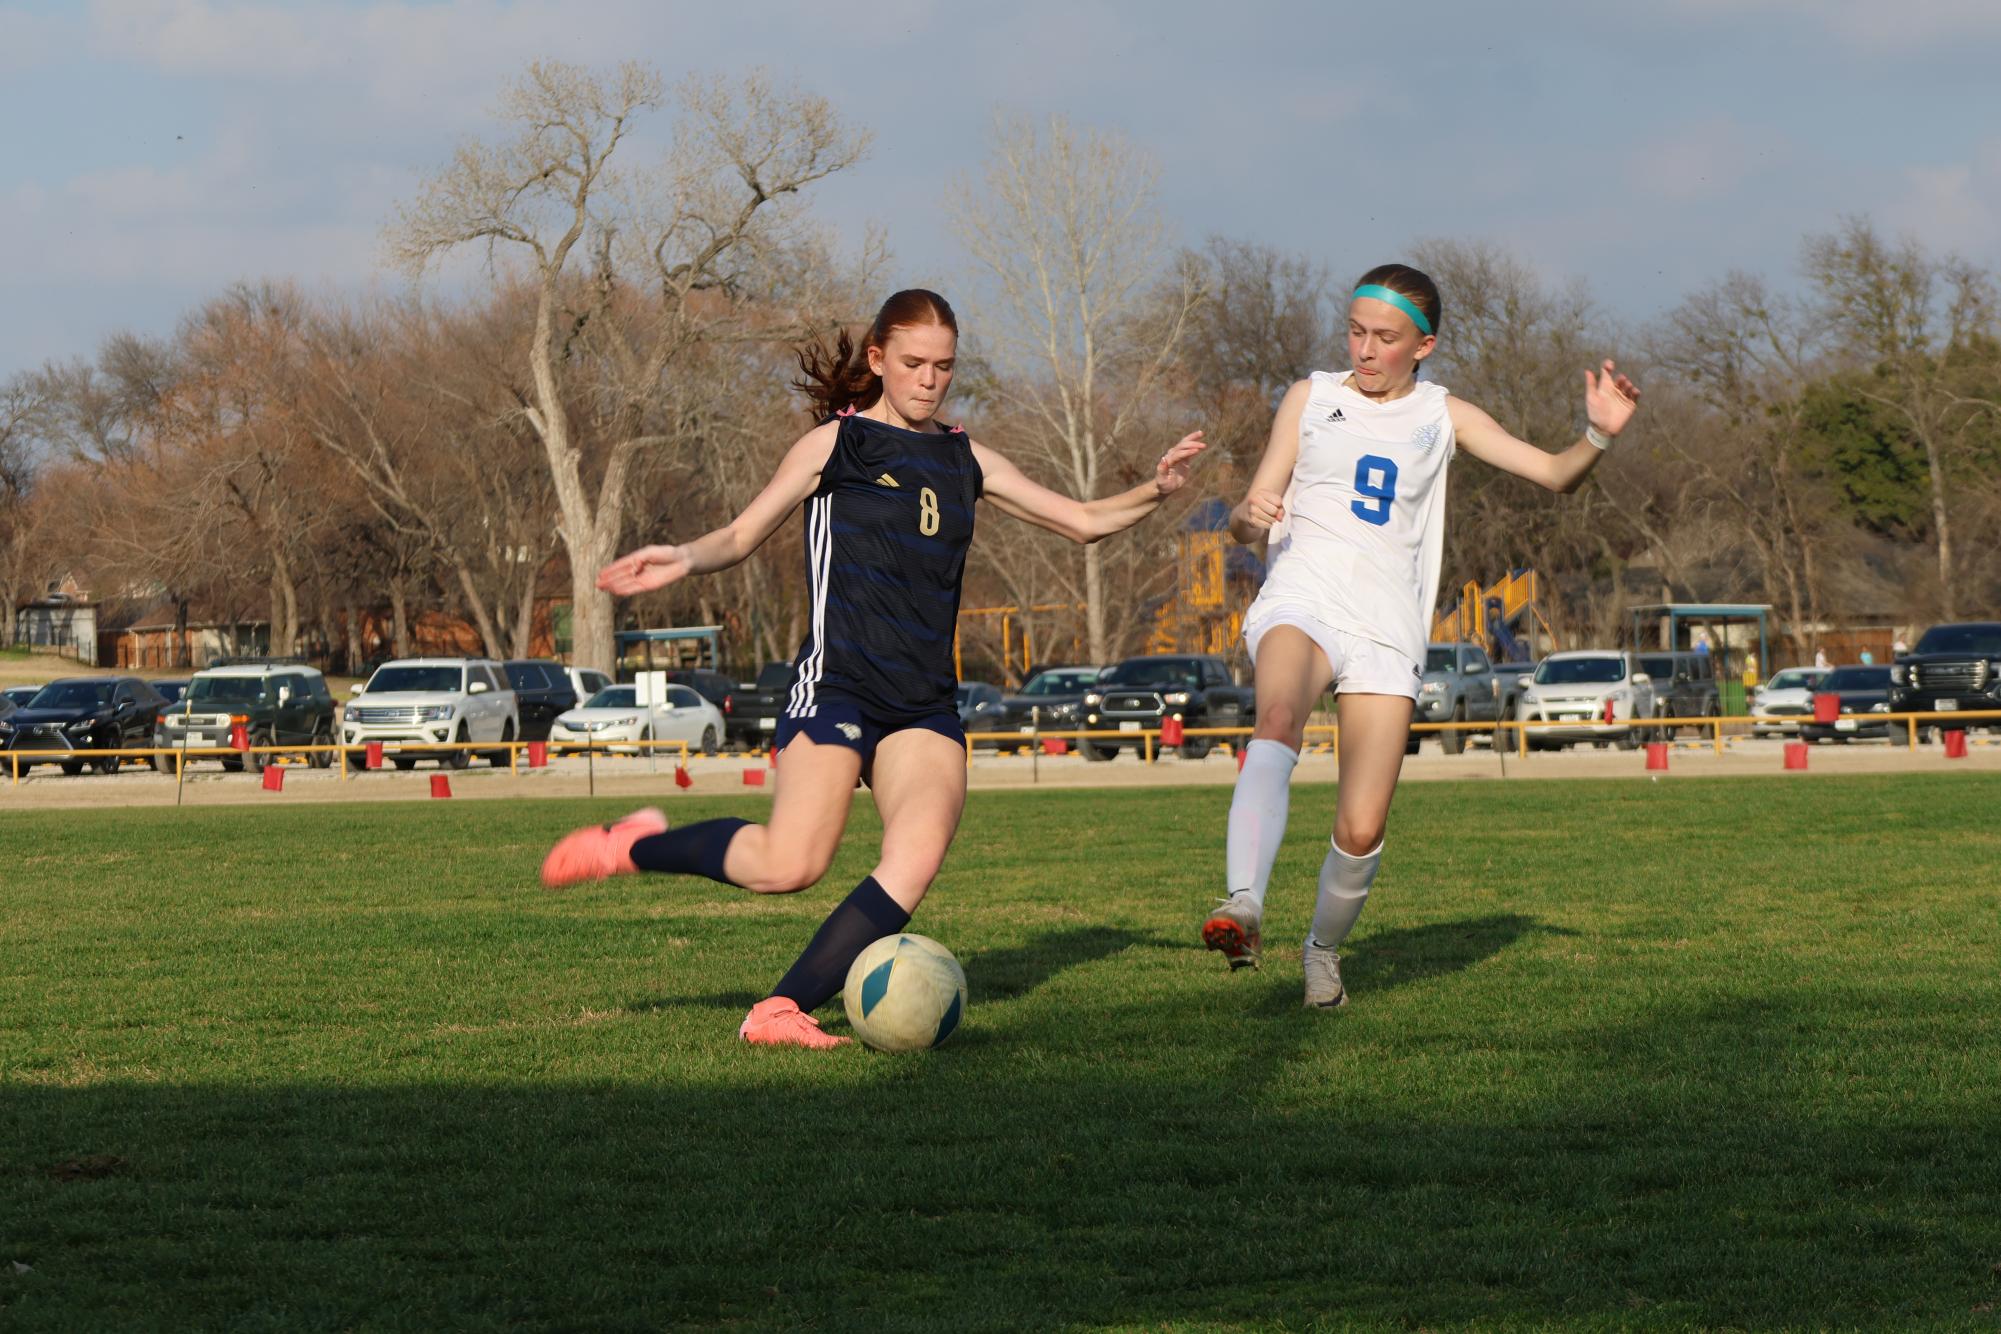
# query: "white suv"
[1574,688]
[416,702]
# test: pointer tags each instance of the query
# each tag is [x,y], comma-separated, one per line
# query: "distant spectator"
[1701,643]
[1868,658]
[1750,671]
[1900,648]
[1820,659]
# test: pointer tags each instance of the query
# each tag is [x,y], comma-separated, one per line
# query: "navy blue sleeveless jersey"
[886,539]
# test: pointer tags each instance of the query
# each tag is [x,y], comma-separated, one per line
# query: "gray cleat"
[1323,977]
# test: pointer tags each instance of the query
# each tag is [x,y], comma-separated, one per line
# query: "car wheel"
[233,764]
[1095,752]
[72,767]
[109,764]
[1453,741]
[163,763]
[708,741]
[1195,750]
[322,759]
[500,759]
[457,759]
[256,761]
[405,763]
[356,761]
[1630,741]
[1410,743]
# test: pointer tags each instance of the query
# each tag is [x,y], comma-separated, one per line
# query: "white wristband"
[1597,437]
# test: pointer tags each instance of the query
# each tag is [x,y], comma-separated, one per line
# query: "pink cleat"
[599,851]
[779,1022]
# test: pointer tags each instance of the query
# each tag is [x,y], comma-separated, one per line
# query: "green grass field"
[1695,1053]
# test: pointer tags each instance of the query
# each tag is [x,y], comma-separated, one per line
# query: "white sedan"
[614,717]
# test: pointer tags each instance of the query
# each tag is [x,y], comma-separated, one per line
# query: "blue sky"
[157,150]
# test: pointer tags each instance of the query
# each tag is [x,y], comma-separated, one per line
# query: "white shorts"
[1361,666]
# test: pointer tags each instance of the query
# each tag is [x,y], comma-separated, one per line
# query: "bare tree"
[1063,223]
[674,250]
[25,408]
[1745,352]
[1912,316]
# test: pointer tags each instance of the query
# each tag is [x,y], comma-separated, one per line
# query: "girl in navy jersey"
[1351,494]
[889,493]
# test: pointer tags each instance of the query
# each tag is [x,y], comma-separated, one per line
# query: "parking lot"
[628,775]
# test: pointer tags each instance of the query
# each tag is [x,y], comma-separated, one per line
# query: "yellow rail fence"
[1321,735]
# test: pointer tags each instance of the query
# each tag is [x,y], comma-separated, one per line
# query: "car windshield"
[1440,659]
[1792,678]
[73,695]
[227,690]
[1152,673]
[1856,678]
[1981,639]
[775,676]
[1580,672]
[614,697]
[431,679]
[1059,683]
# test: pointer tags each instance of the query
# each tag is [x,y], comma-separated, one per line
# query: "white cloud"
[1956,206]
[1704,160]
[1872,26]
[26,39]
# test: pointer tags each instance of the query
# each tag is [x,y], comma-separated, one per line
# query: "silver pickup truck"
[1460,686]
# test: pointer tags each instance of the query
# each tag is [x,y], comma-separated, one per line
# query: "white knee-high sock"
[1344,888]
[1257,816]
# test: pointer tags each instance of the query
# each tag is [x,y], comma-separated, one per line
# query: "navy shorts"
[837,722]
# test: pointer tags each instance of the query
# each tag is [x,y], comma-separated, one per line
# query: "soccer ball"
[905,993]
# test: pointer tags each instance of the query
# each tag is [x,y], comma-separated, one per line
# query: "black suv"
[543,691]
[278,702]
[1684,687]
[84,713]
[1953,669]
[1141,693]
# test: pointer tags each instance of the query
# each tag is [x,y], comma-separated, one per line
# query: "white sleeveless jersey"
[1364,529]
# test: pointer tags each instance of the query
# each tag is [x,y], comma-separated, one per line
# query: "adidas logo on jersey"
[885,480]
[850,730]
[1336,416]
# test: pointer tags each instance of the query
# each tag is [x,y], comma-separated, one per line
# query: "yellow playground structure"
[1506,618]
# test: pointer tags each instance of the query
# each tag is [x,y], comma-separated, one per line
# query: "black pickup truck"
[1953,669]
[1141,693]
[750,714]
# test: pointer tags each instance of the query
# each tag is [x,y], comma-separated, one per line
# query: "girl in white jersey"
[1351,496]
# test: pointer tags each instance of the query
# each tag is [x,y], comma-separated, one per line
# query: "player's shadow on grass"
[992,975]
[1006,974]
[1386,960]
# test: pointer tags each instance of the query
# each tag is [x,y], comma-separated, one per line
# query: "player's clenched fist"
[1262,509]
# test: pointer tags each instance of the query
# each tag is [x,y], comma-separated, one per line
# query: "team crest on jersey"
[849,730]
[1424,437]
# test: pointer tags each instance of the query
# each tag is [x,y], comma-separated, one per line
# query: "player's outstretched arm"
[658,566]
[1610,399]
[1084,521]
[1263,505]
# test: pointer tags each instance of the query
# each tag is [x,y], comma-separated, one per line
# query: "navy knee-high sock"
[862,918]
[696,849]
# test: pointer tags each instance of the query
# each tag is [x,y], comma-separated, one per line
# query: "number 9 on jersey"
[1376,482]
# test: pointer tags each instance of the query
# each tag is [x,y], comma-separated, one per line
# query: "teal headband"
[1399,300]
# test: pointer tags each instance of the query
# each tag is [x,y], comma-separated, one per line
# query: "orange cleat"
[779,1022]
[599,851]
[1234,928]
